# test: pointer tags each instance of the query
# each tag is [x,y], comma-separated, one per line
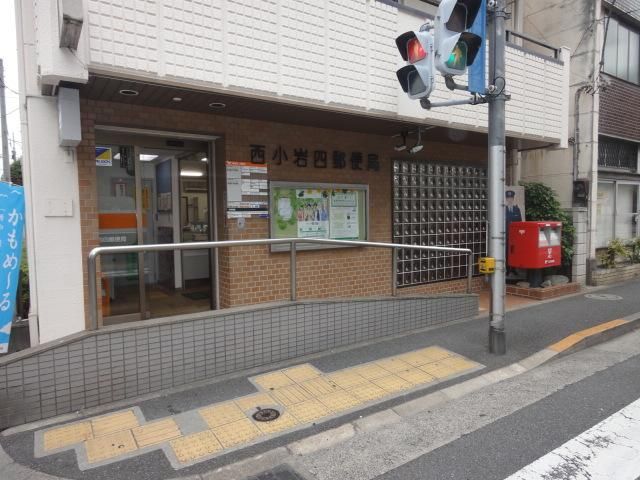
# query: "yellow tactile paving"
[438,369]
[109,446]
[283,422]
[273,380]
[302,394]
[393,365]
[367,392]
[339,401]
[457,363]
[301,373]
[236,433]
[156,432]
[309,411]
[319,386]
[221,413]
[370,371]
[291,395]
[115,422]
[392,383]
[416,376]
[195,446]
[67,435]
[255,401]
[346,378]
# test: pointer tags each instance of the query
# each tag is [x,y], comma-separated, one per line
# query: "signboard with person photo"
[514,211]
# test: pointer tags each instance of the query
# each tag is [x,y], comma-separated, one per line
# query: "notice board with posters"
[247,190]
[306,210]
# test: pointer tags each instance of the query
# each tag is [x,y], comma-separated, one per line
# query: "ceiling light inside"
[176,99]
[147,158]
[204,159]
[217,105]
[128,92]
[191,173]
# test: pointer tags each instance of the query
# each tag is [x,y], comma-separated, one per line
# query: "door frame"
[134,137]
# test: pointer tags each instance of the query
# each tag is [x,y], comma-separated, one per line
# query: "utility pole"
[496,174]
[6,169]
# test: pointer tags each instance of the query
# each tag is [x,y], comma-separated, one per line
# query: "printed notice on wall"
[247,190]
[312,214]
[344,215]
[103,157]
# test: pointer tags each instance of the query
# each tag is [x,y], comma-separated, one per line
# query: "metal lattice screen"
[438,205]
[617,154]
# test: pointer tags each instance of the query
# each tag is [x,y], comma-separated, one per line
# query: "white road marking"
[609,450]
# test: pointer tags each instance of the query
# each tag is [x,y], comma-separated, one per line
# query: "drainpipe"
[576,126]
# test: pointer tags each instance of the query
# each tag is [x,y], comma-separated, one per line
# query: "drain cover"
[603,296]
[266,415]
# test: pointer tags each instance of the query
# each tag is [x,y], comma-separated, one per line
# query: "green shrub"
[614,250]
[542,205]
[633,248]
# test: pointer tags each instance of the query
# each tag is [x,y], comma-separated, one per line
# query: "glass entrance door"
[150,194]
[117,223]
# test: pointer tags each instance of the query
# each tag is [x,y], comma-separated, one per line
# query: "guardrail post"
[469,271]
[394,272]
[93,293]
[292,271]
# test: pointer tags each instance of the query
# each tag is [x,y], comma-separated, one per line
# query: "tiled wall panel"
[332,52]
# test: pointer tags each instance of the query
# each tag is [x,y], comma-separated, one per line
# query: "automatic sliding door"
[117,220]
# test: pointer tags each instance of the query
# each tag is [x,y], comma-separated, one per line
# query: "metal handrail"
[293,242]
[535,41]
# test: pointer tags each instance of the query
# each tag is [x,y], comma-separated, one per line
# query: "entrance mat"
[286,400]
[196,295]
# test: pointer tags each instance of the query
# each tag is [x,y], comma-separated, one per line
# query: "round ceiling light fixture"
[129,92]
[217,105]
[177,99]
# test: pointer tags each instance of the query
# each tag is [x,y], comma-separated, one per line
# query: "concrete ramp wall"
[125,361]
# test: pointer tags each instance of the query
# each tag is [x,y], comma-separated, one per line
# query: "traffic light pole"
[496,173]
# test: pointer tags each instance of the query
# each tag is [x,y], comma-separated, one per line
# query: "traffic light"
[416,78]
[460,36]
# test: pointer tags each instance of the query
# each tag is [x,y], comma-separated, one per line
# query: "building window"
[613,153]
[622,52]
[617,211]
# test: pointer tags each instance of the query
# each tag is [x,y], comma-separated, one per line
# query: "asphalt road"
[505,446]
[497,430]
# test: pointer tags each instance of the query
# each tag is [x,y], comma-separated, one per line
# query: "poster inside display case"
[438,205]
[300,210]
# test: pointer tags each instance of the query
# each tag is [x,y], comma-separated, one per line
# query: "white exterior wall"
[330,52]
[50,177]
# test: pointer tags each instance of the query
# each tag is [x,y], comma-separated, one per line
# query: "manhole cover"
[603,296]
[266,415]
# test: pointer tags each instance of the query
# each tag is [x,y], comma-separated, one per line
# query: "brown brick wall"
[253,274]
[619,112]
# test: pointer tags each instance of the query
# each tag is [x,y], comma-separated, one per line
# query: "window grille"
[617,154]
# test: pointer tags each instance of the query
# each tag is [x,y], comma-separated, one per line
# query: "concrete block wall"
[608,276]
[121,362]
[580,217]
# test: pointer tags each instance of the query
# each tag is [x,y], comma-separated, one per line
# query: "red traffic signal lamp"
[417,77]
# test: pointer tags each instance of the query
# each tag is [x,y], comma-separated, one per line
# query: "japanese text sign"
[11,228]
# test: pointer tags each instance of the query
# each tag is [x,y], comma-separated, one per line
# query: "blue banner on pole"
[11,233]
[477,80]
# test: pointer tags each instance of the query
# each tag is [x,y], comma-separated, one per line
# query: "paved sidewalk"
[181,435]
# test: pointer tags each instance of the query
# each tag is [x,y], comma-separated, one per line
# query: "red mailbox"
[535,244]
